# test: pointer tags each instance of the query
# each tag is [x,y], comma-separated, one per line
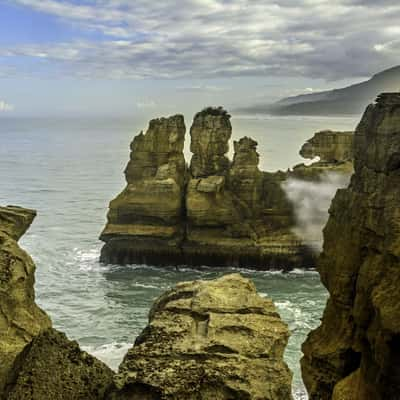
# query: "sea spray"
[311,201]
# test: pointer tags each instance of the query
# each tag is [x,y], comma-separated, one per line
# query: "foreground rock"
[214,212]
[36,362]
[355,353]
[53,367]
[208,340]
[20,318]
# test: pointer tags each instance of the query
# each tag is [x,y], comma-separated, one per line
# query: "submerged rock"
[355,353]
[208,340]
[20,318]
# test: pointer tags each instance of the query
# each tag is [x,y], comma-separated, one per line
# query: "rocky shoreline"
[205,340]
[213,212]
[219,339]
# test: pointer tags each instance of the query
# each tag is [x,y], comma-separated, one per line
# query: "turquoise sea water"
[68,170]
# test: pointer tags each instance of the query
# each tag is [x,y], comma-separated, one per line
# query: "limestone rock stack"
[145,220]
[355,353]
[210,134]
[208,340]
[216,213]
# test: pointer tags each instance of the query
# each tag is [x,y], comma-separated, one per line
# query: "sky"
[121,57]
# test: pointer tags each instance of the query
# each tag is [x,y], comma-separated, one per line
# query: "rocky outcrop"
[216,212]
[355,353]
[329,146]
[210,134]
[20,318]
[208,340]
[37,362]
[334,151]
[53,367]
[145,220]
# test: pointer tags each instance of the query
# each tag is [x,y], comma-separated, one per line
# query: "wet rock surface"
[208,340]
[355,354]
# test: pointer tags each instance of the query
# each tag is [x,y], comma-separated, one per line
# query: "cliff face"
[144,221]
[355,353]
[20,318]
[37,362]
[208,340]
[210,134]
[216,212]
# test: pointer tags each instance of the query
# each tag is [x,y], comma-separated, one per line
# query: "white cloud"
[220,38]
[5,107]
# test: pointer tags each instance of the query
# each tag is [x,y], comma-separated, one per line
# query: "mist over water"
[311,201]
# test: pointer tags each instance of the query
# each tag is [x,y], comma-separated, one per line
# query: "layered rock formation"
[205,340]
[145,220]
[208,340]
[37,362]
[20,318]
[335,152]
[355,353]
[215,212]
[329,146]
[210,134]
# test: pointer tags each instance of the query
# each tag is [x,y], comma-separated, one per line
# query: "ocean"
[69,170]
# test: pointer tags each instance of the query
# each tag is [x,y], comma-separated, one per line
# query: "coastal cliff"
[355,353]
[20,318]
[37,362]
[214,212]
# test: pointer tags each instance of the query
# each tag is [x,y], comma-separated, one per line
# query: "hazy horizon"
[121,58]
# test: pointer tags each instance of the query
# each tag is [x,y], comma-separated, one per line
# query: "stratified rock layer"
[20,318]
[216,213]
[144,221]
[36,362]
[210,134]
[208,340]
[52,367]
[329,146]
[355,353]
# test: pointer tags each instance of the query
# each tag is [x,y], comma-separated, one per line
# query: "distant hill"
[349,100]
